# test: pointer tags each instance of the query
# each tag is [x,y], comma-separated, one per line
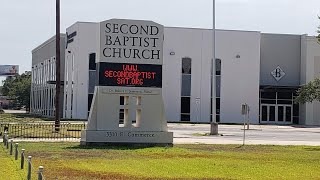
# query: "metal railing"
[45,130]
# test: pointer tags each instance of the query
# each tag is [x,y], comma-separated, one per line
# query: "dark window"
[186,85]
[264,113]
[185,105]
[295,120]
[186,65]
[268,95]
[92,61]
[121,100]
[284,102]
[295,109]
[288,114]
[121,116]
[285,95]
[186,89]
[218,66]
[218,118]
[185,117]
[280,113]
[268,101]
[90,97]
[218,86]
[217,106]
[211,106]
[272,113]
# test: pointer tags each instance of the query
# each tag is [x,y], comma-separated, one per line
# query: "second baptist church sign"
[129,67]
[139,43]
[131,41]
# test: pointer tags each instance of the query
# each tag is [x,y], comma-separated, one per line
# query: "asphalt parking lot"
[258,134]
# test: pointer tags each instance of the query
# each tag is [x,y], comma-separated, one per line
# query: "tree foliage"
[18,88]
[309,92]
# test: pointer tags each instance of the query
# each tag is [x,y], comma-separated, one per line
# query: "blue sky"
[25,24]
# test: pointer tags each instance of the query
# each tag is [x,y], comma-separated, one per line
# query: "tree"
[311,91]
[18,88]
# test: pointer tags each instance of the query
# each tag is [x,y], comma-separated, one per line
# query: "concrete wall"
[77,62]
[284,51]
[240,76]
[310,114]
[190,43]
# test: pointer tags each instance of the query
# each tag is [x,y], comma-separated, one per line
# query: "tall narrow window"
[218,89]
[186,89]
[92,77]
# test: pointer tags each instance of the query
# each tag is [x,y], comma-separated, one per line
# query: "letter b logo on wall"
[278,73]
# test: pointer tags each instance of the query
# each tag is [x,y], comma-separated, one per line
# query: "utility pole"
[214,124]
[58,80]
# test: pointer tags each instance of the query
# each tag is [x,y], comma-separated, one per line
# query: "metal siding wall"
[185,43]
[238,84]
[316,105]
[43,62]
[239,76]
[312,54]
[84,43]
[284,51]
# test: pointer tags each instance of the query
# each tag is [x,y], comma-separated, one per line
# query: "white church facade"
[262,70]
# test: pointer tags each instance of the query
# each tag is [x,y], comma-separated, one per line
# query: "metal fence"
[42,130]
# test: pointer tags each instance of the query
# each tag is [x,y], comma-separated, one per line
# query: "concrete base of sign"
[135,138]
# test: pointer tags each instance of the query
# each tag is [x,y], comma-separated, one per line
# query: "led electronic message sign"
[130,75]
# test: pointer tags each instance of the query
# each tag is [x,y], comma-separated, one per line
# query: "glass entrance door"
[276,114]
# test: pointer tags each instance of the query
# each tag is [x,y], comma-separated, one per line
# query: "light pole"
[58,80]
[214,125]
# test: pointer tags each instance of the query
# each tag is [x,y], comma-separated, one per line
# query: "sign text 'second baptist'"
[131,41]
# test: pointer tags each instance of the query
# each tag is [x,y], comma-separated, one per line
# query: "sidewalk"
[258,134]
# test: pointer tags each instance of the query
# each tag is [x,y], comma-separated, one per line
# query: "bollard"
[7,144]
[5,138]
[11,147]
[22,158]
[40,172]
[214,128]
[29,168]
[16,152]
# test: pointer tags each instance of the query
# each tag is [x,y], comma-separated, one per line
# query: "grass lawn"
[20,118]
[9,168]
[70,161]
